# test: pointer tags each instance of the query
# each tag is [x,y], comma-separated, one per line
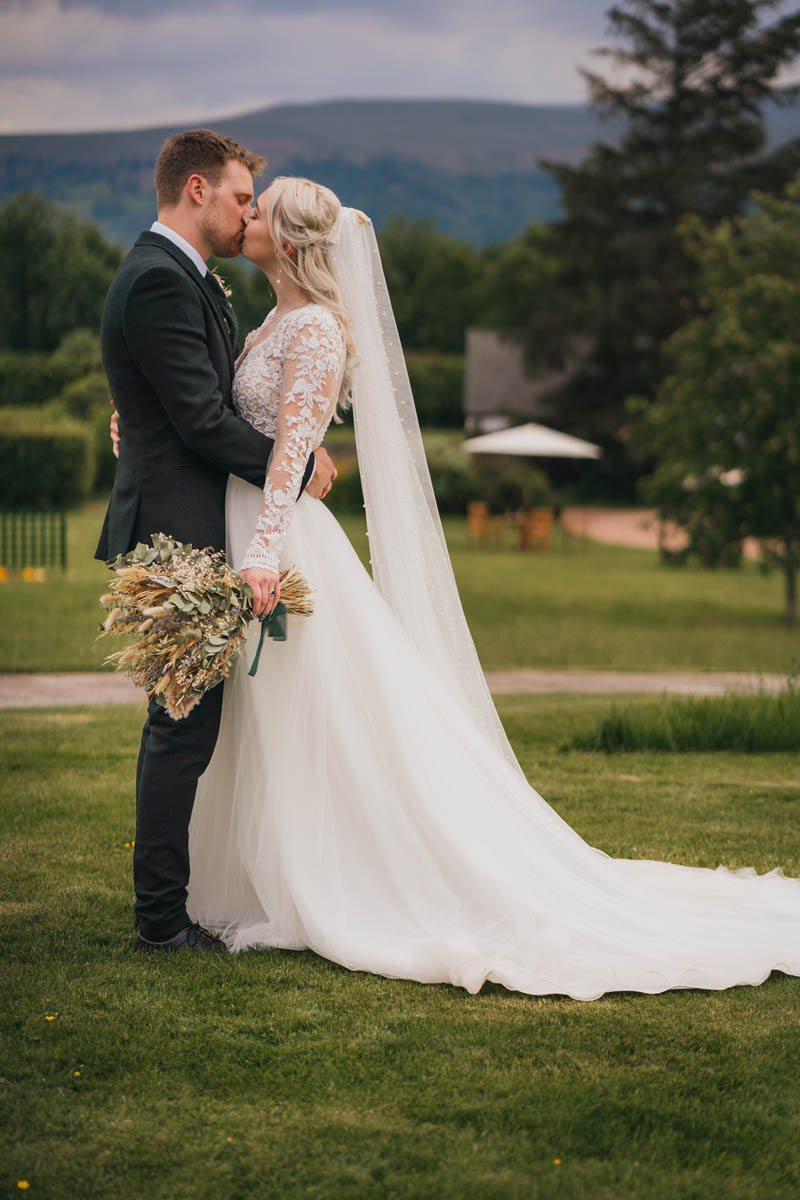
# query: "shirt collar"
[182,244]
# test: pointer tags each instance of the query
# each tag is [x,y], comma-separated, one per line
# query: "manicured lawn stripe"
[586,606]
[334,1084]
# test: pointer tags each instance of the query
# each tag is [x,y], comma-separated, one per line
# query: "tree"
[695,76]
[57,271]
[435,283]
[724,426]
[520,290]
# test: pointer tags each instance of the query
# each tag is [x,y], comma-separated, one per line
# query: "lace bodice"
[286,385]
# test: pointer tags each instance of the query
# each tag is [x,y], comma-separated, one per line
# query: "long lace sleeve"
[313,366]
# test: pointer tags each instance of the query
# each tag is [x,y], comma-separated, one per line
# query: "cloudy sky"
[94,64]
[90,64]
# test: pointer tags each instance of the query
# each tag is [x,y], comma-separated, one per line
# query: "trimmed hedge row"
[87,397]
[43,396]
[34,378]
[46,460]
[27,379]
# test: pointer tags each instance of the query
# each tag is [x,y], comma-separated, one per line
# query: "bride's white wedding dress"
[355,806]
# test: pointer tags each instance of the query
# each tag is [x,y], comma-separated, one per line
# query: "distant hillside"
[469,166]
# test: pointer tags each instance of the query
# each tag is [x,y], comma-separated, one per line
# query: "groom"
[169,347]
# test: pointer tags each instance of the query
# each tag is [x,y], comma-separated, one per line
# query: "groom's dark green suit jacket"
[169,347]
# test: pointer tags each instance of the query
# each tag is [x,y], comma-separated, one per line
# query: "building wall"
[497,390]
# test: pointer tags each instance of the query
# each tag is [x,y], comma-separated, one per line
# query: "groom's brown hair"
[198,152]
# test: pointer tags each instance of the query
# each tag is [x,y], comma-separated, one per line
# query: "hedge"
[34,378]
[45,461]
[84,398]
[26,379]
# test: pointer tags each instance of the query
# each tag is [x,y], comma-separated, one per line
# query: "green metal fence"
[33,539]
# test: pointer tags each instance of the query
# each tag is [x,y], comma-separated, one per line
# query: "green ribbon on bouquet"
[274,626]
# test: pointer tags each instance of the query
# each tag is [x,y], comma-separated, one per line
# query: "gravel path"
[55,691]
[634,527]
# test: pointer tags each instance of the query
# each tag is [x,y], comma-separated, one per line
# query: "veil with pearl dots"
[408,552]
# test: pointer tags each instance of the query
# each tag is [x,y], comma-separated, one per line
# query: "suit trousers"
[172,757]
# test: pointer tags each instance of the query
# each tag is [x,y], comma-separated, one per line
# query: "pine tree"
[696,78]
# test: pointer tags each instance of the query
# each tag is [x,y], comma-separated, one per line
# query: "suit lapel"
[226,327]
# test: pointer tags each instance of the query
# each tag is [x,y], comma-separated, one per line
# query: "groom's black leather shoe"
[193,938]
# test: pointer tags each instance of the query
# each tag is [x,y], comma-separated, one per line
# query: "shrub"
[511,487]
[78,354]
[734,722]
[456,481]
[26,379]
[437,381]
[84,398]
[45,461]
[33,378]
[453,477]
[451,474]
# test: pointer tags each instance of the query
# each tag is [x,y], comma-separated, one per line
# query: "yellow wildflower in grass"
[23,1185]
[50,1017]
[76,1074]
[556,1162]
[228,1139]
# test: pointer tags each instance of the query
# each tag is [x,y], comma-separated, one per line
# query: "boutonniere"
[226,291]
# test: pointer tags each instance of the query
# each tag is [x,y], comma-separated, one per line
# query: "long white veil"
[410,562]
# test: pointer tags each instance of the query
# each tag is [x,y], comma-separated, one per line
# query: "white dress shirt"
[182,244]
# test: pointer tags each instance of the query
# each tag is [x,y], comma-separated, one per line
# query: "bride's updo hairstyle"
[302,214]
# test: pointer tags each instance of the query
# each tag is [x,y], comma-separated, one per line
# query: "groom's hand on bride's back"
[324,474]
[114,427]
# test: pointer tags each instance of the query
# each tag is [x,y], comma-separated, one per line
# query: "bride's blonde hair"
[302,213]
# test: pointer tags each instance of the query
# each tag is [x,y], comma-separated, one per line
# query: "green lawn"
[280,1075]
[586,606]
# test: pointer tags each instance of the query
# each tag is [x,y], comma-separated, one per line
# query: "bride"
[363,800]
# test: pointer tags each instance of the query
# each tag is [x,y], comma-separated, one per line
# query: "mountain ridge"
[420,129]
[471,166]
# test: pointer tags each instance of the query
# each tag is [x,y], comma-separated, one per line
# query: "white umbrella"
[533,440]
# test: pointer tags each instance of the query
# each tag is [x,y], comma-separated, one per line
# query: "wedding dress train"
[363,804]
[352,807]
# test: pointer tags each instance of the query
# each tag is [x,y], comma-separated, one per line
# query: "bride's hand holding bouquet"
[266,588]
[188,611]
